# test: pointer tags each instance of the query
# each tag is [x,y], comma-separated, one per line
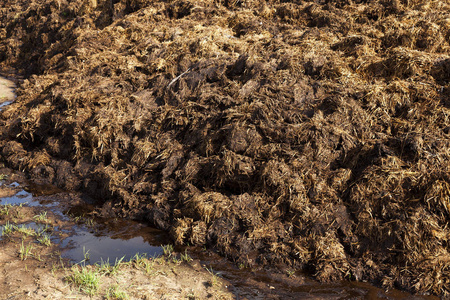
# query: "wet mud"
[310,135]
[41,238]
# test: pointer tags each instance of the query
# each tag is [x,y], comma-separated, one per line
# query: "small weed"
[54,269]
[142,262]
[3,176]
[191,295]
[186,257]
[87,279]
[106,268]
[76,218]
[25,230]
[7,228]
[89,222]
[215,280]
[175,260]
[86,255]
[215,276]
[168,250]
[18,212]
[24,252]
[42,230]
[4,209]
[160,260]
[139,258]
[41,218]
[290,273]
[45,240]
[115,293]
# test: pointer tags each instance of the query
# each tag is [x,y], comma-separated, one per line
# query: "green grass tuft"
[87,279]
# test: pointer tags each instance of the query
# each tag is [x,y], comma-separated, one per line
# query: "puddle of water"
[3,104]
[27,196]
[7,95]
[106,247]
[22,197]
[108,241]
[14,184]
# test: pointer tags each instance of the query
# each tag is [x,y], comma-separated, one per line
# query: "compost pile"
[309,134]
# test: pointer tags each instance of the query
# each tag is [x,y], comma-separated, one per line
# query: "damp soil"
[40,241]
[302,135]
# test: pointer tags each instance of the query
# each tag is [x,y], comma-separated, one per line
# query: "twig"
[178,77]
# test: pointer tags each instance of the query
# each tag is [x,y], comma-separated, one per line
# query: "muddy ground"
[32,265]
[312,134]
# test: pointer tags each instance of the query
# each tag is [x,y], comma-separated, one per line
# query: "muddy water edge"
[81,235]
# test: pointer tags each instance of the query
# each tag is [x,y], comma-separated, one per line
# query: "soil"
[308,134]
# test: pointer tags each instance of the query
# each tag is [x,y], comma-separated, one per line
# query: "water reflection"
[6,92]
[102,248]
[109,239]
[22,197]
[5,104]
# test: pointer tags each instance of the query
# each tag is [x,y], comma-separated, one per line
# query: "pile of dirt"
[308,133]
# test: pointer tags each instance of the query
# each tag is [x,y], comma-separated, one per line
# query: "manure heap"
[313,134]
